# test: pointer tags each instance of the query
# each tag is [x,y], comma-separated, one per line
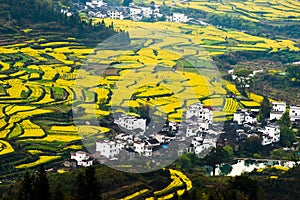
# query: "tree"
[247,186]
[252,145]
[226,169]
[41,189]
[87,186]
[229,151]
[26,190]
[184,162]
[285,120]
[127,2]
[265,110]
[216,156]
[287,137]
[243,80]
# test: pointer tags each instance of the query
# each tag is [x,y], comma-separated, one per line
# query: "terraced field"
[180,184]
[253,10]
[169,69]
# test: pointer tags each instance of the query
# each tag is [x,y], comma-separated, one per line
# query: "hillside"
[36,16]
[259,17]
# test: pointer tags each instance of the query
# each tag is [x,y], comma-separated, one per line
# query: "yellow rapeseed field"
[41,160]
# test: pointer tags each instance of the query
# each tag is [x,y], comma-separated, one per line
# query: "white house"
[115,14]
[239,117]
[107,148]
[135,10]
[100,15]
[125,137]
[174,126]
[131,123]
[179,17]
[169,18]
[197,141]
[95,3]
[139,147]
[200,112]
[206,144]
[295,113]
[250,119]
[193,128]
[244,117]
[271,134]
[82,158]
[278,108]
[147,11]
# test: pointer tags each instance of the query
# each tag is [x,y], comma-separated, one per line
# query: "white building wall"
[179,17]
[135,11]
[271,135]
[80,156]
[250,120]
[279,106]
[239,118]
[294,113]
[276,115]
[109,149]
[198,111]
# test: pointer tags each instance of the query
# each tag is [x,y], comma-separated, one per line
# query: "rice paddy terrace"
[252,10]
[42,77]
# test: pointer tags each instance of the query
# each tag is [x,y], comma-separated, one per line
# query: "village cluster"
[195,131]
[100,9]
[271,132]
[194,134]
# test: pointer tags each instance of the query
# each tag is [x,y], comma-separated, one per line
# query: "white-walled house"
[147,11]
[271,134]
[174,126]
[115,14]
[107,148]
[250,119]
[139,147]
[244,117]
[193,128]
[278,108]
[131,123]
[295,113]
[200,112]
[239,117]
[125,137]
[135,10]
[82,158]
[95,3]
[179,17]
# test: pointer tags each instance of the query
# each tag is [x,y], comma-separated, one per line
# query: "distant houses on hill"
[271,132]
[82,158]
[100,9]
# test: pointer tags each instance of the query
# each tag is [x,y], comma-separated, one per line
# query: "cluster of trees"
[46,15]
[188,162]
[255,28]
[237,188]
[275,85]
[37,186]
[225,62]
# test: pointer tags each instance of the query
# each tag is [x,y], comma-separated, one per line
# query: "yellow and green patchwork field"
[180,183]
[172,68]
[253,10]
